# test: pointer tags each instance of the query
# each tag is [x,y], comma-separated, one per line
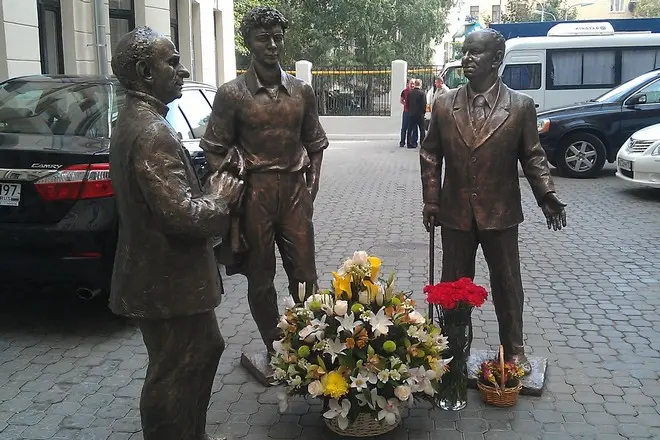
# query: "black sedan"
[580,138]
[58,222]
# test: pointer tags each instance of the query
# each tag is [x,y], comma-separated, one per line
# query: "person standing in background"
[416,110]
[405,118]
[439,87]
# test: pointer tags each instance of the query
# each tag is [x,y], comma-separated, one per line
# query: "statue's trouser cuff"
[277,209]
[500,249]
[183,359]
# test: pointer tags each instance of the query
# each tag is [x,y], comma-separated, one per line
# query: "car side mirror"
[637,99]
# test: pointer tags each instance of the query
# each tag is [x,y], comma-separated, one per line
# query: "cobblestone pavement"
[592,294]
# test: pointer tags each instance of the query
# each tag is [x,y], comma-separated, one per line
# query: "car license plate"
[625,164]
[10,194]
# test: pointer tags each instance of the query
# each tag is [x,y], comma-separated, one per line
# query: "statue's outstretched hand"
[553,209]
[430,215]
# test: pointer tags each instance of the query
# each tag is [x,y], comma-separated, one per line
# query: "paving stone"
[590,309]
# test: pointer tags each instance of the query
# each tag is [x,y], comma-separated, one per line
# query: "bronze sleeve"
[430,159]
[532,158]
[314,138]
[161,175]
[220,134]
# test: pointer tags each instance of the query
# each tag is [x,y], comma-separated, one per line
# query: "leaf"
[321,363]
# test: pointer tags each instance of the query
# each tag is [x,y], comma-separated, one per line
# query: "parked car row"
[58,221]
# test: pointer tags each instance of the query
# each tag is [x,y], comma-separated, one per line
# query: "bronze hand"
[226,186]
[429,213]
[553,209]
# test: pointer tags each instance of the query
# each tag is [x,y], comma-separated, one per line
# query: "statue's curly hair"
[134,46]
[261,16]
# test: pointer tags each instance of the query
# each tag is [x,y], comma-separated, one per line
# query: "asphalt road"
[73,371]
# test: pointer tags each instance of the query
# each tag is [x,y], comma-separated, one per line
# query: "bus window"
[522,76]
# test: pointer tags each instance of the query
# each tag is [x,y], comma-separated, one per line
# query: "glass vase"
[456,325]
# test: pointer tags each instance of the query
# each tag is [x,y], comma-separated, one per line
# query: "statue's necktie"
[479,112]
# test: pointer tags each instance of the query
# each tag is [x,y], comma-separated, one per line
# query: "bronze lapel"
[496,118]
[462,117]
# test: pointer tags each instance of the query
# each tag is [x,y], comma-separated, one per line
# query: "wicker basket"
[364,426]
[501,396]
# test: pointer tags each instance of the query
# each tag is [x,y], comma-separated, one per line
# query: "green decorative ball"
[396,301]
[304,351]
[357,308]
[389,346]
[315,306]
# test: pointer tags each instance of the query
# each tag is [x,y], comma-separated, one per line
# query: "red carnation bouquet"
[450,295]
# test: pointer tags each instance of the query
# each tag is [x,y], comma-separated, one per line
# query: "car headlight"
[656,150]
[543,125]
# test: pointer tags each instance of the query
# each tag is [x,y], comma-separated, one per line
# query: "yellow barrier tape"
[355,72]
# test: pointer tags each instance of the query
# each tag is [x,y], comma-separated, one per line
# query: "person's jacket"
[416,103]
[481,169]
[164,263]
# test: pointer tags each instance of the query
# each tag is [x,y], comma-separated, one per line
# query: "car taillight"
[76,182]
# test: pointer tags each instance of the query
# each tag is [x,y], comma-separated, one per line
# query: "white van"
[574,63]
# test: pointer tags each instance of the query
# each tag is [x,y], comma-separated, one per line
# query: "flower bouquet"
[499,382]
[454,302]
[361,347]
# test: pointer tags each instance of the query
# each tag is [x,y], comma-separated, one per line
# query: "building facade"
[60,36]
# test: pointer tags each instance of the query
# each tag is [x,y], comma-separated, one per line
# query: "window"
[585,69]
[474,12]
[54,108]
[635,62]
[196,112]
[210,96]
[174,22]
[50,36]
[454,77]
[652,92]
[122,20]
[616,5]
[522,76]
[496,15]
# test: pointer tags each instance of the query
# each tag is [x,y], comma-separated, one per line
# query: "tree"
[518,11]
[350,32]
[647,8]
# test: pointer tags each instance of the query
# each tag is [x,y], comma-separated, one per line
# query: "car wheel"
[581,155]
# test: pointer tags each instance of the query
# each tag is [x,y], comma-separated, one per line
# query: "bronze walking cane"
[431,259]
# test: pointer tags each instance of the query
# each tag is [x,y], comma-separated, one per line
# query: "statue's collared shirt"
[152,101]
[275,128]
[489,95]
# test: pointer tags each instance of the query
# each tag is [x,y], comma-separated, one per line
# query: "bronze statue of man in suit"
[266,123]
[165,275]
[481,131]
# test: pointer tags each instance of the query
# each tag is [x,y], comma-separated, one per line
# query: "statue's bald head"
[137,45]
[495,39]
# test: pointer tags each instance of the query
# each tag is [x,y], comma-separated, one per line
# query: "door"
[523,70]
[636,117]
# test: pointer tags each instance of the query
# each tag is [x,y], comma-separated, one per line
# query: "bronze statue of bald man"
[165,274]
[481,132]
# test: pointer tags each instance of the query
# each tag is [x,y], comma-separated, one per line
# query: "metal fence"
[289,69]
[352,91]
[426,73]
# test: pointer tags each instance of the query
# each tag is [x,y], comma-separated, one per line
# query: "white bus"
[574,63]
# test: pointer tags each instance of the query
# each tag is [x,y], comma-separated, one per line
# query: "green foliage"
[350,32]
[648,8]
[518,11]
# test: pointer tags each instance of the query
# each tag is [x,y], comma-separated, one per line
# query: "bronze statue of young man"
[165,275]
[481,131]
[267,120]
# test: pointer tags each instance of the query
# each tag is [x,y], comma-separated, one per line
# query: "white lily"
[368,400]
[315,330]
[416,317]
[302,290]
[347,322]
[334,348]
[339,411]
[283,401]
[380,295]
[361,258]
[379,322]
[359,382]
[389,409]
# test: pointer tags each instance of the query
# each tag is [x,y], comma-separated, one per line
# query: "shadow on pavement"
[55,310]
[644,193]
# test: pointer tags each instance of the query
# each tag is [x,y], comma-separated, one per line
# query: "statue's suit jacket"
[164,264]
[481,181]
